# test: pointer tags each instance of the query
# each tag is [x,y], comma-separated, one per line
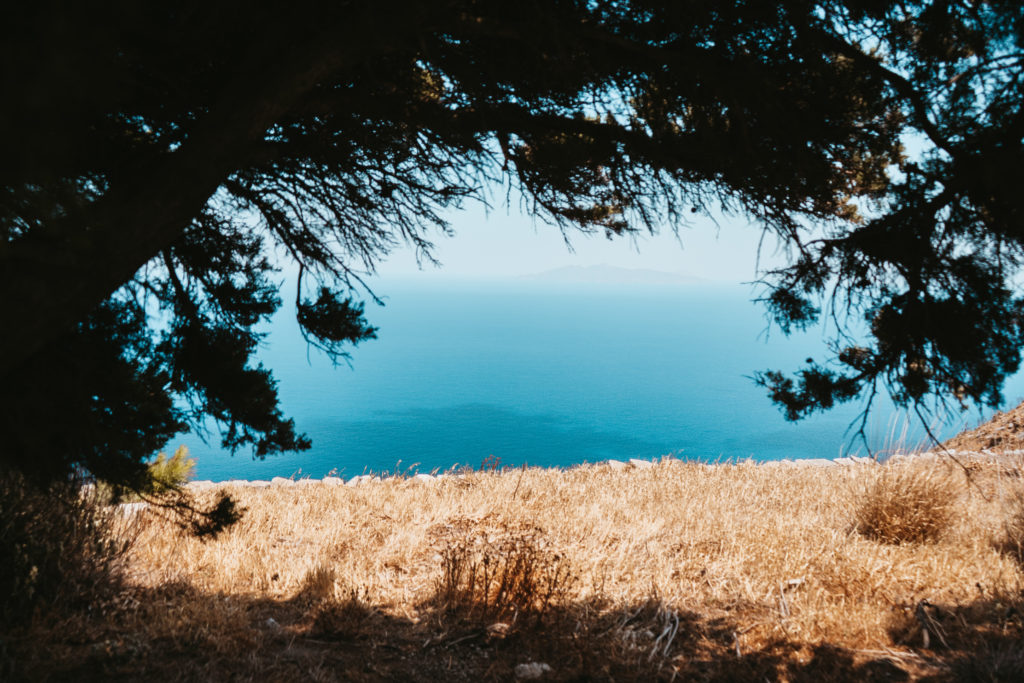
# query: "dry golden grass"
[676,571]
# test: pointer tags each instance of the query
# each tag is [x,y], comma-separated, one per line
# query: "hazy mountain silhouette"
[613,274]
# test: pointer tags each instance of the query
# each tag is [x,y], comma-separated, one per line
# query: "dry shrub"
[513,574]
[351,618]
[1004,662]
[907,505]
[346,619]
[1012,542]
[59,547]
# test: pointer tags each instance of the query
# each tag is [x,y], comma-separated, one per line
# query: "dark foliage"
[930,262]
[159,161]
[94,397]
[332,321]
[57,548]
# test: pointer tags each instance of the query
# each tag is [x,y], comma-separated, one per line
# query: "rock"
[814,462]
[424,477]
[259,483]
[201,484]
[641,464]
[281,481]
[531,671]
[498,630]
[272,624]
[616,465]
[131,509]
[333,481]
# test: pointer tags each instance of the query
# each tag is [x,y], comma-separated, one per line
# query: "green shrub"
[170,474]
[163,475]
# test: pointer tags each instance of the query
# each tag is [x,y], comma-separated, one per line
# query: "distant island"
[611,274]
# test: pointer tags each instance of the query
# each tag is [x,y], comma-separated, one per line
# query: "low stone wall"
[627,465]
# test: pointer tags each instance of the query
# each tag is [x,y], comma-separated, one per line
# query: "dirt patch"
[1004,432]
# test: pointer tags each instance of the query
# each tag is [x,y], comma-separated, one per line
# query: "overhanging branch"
[52,278]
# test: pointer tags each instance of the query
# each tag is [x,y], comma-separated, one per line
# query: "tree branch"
[900,84]
[53,277]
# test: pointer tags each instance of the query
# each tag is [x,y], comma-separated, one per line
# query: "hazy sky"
[506,243]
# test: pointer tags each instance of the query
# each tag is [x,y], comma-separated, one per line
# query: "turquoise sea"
[548,374]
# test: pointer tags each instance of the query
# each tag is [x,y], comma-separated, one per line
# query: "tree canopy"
[159,162]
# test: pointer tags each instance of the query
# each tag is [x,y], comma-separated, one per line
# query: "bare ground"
[1003,432]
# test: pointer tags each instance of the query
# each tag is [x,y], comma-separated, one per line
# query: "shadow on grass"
[178,633]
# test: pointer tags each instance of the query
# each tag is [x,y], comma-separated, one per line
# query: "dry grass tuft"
[1012,542]
[907,505]
[512,572]
[319,583]
[351,618]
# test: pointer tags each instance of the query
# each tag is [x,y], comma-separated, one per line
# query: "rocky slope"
[1004,432]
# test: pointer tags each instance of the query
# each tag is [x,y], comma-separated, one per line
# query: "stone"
[814,462]
[281,481]
[641,464]
[616,465]
[531,671]
[131,509]
[498,630]
[333,481]
[426,478]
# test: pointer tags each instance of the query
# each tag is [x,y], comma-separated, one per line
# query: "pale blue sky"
[505,243]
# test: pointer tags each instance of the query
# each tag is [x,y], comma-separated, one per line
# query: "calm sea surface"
[545,374]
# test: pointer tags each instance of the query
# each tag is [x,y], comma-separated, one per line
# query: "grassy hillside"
[676,571]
